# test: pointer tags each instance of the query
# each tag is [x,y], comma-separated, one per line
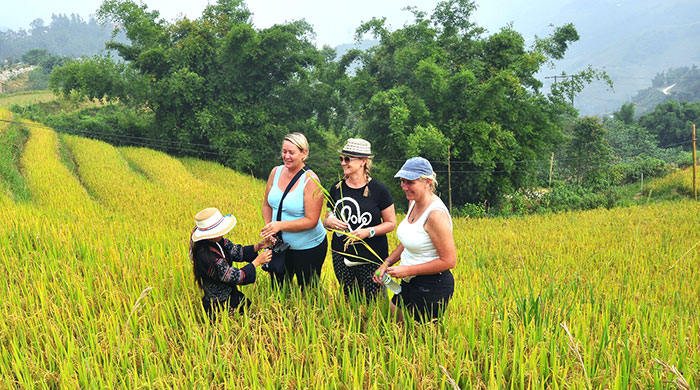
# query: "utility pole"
[449,178]
[695,166]
[564,76]
[551,168]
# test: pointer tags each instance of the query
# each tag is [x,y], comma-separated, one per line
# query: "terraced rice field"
[99,291]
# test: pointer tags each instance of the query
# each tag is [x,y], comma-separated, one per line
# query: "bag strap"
[289,187]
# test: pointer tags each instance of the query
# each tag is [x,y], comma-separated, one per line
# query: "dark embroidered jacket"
[214,270]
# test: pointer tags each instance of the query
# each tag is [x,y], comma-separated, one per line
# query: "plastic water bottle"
[390,283]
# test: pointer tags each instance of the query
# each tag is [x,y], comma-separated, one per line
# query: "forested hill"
[674,84]
[632,40]
[64,35]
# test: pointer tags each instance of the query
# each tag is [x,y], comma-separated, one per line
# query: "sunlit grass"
[99,292]
[678,182]
[26,98]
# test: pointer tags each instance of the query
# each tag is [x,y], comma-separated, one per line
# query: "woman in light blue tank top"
[300,225]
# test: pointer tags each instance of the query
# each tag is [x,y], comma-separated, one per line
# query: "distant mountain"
[65,35]
[362,45]
[631,40]
[674,84]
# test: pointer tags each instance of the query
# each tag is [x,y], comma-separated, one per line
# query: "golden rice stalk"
[680,381]
[574,347]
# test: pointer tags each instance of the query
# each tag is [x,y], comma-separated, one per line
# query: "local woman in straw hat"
[364,207]
[426,250]
[212,262]
[300,217]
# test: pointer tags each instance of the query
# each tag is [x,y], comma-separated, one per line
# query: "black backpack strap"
[296,177]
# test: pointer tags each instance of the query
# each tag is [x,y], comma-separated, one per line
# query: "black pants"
[306,264]
[426,296]
[357,279]
[236,303]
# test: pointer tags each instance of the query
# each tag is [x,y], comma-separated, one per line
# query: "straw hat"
[211,224]
[357,147]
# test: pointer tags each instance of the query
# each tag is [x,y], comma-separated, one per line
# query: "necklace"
[414,213]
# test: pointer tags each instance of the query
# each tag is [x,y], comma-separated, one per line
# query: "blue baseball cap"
[414,168]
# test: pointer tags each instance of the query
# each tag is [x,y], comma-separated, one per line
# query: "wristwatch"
[371,232]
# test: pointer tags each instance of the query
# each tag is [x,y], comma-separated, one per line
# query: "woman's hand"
[263,258]
[379,274]
[362,234]
[270,229]
[399,272]
[335,224]
[265,243]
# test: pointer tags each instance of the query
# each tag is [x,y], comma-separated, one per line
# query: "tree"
[215,81]
[440,82]
[671,122]
[626,114]
[589,155]
[35,56]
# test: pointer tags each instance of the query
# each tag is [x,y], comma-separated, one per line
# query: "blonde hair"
[368,166]
[300,141]
[433,181]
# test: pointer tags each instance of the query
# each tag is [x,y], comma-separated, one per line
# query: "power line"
[189,147]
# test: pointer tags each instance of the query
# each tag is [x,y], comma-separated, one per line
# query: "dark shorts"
[236,303]
[305,264]
[425,297]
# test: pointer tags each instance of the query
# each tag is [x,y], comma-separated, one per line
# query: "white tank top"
[418,248]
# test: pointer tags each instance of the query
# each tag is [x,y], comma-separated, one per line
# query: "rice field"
[25,98]
[99,292]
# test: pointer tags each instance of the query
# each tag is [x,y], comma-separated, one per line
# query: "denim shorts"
[425,297]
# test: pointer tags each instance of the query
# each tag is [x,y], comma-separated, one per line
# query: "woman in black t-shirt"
[363,207]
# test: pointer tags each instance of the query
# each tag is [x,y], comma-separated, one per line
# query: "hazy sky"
[333,21]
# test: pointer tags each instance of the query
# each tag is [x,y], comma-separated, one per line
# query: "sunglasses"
[347,159]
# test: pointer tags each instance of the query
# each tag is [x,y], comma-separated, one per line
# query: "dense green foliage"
[12,140]
[114,123]
[215,84]
[438,87]
[218,88]
[45,62]
[672,122]
[441,85]
[589,154]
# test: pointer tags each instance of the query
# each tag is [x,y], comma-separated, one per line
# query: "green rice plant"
[12,140]
[99,292]
[26,98]
[680,181]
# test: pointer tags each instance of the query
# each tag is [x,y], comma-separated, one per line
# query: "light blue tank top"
[292,209]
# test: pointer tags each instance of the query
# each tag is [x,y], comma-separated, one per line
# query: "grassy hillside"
[26,98]
[99,292]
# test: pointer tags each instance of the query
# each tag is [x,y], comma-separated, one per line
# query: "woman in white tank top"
[427,250]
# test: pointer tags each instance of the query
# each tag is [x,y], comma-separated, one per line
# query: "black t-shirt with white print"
[360,211]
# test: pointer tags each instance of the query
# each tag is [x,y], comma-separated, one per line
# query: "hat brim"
[355,154]
[407,175]
[228,222]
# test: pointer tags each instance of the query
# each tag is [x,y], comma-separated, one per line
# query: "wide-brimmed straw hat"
[211,224]
[357,147]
